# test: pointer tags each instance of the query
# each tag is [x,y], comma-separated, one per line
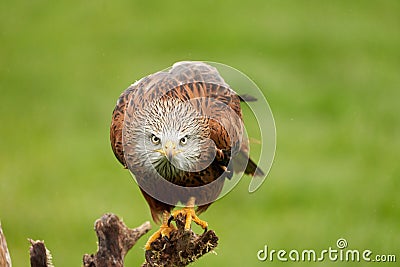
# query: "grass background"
[329,69]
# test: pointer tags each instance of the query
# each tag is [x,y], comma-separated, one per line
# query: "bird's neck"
[169,172]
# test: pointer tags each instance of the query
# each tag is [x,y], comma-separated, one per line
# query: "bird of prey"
[180,132]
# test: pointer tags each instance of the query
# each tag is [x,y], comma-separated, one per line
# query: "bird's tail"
[242,159]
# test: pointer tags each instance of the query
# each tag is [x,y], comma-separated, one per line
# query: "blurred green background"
[329,69]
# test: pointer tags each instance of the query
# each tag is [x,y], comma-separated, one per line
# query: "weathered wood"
[183,247]
[5,259]
[40,256]
[115,239]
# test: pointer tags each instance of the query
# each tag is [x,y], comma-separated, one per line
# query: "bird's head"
[173,137]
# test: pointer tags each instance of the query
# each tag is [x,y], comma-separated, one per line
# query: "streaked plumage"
[184,124]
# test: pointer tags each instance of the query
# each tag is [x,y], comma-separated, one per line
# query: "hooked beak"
[169,150]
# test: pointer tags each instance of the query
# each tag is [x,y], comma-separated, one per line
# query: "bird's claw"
[164,231]
[170,220]
[190,216]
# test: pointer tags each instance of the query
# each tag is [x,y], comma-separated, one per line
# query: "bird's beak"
[169,150]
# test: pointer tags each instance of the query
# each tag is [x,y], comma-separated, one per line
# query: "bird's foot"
[165,230]
[190,216]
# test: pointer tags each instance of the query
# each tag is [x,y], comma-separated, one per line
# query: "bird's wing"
[117,124]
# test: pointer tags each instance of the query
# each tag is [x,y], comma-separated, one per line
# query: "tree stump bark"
[5,259]
[115,240]
[182,248]
[40,256]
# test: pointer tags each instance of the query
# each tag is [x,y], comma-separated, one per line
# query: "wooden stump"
[115,239]
[183,247]
[5,259]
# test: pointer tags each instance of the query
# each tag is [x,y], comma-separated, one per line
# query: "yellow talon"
[166,227]
[190,214]
[164,231]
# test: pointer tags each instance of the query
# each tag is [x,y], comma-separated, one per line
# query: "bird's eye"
[184,140]
[155,139]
